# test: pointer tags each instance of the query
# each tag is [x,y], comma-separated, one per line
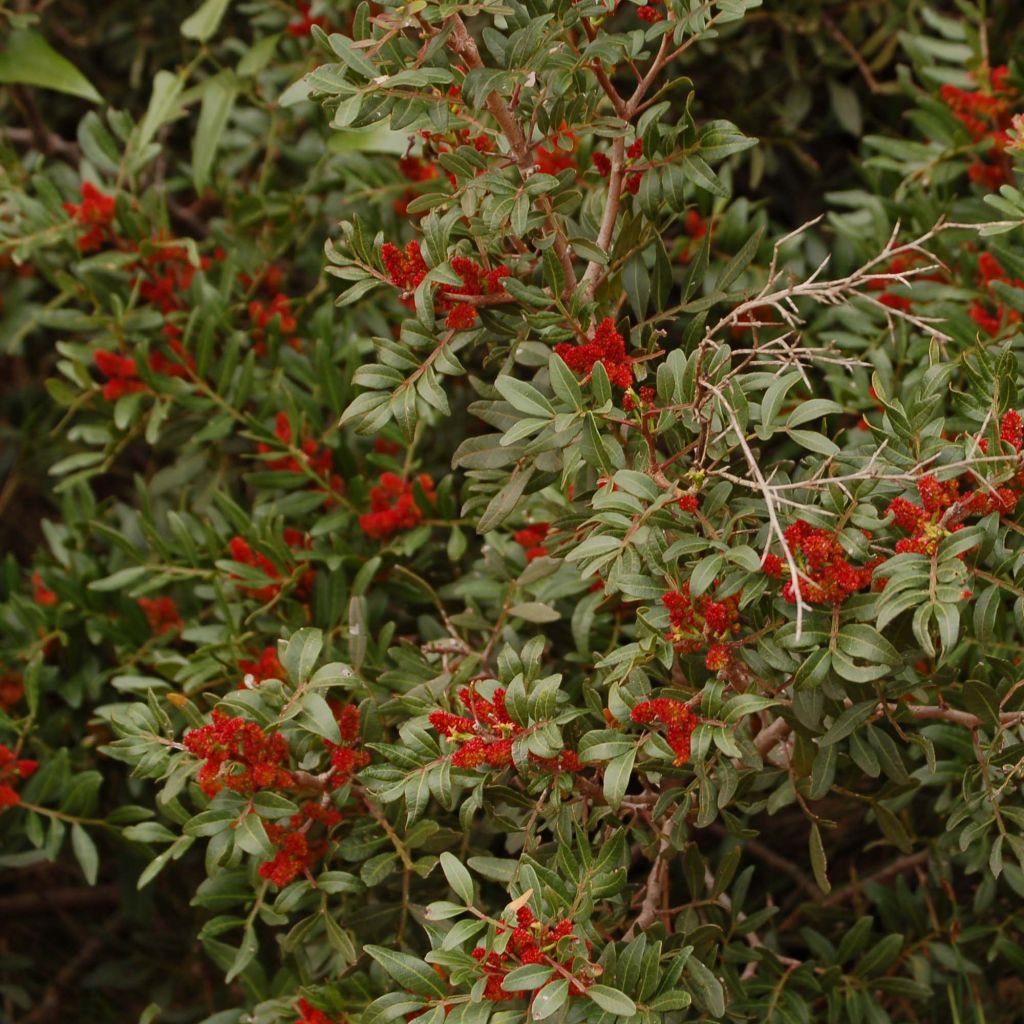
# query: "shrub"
[588,587]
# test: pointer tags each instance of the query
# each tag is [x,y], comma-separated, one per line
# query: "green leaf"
[505,502]
[564,383]
[707,987]
[163,105]
[697,170]
[880,956]
[28,59]
[740,261]
[676,1000]
[219,95]
[860,640]
[612,1000]
[317,717]
[120,580]
[847,722]
[549,999]
[246,951]
[745,704]
[527,978]
[301,653]
[616,777]
[252,837]
[982,700]
[704,574]
[819,863]
[85,853]
[205,21]
[524,397]
[458,877]
[409,971]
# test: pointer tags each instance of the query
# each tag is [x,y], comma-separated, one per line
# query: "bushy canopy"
[511,512]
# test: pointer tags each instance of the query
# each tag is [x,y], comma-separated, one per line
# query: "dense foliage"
[510,511]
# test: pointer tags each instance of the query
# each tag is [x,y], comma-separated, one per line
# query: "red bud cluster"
[393,506]
[406,269]
[677,718]
[238,755]
[297,850]
[162,614]
[488,733]
[986,114]
[703,624]
[532,539]
[265,666]
[534,942]
[827,575]
[241,551]
[607,347]
[13,770]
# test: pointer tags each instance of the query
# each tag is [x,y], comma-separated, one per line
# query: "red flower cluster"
[95,213]
[320,460]
[555,158]
[301,25]
[1011,430]
[532,538]
[677,718]
[265,314]
[532,942]
[393,506]
[414,169]
[488,735]
[165,273]
[12,771]
[994,316]
[296,851]
[41,593]
[346,759]
[266,666]
[607,347]
[987,115]
[650,13]
[12,689]
[830,578]
[162,614]
[696,228]
[241,551]
[311,1015]
[238,755]
[689,503]
[122,372]
[641,402]
[435,143]
[634,151]
[406,269]
[703,623]
[382,446]
[932,520]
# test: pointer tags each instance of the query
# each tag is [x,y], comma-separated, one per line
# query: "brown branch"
[862,65]
[891,870]
[465,46]
[44,899]
[49,1006]
[775,860]
[593,276]
[652,891]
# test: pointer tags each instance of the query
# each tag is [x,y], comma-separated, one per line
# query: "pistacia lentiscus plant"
[481,552]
